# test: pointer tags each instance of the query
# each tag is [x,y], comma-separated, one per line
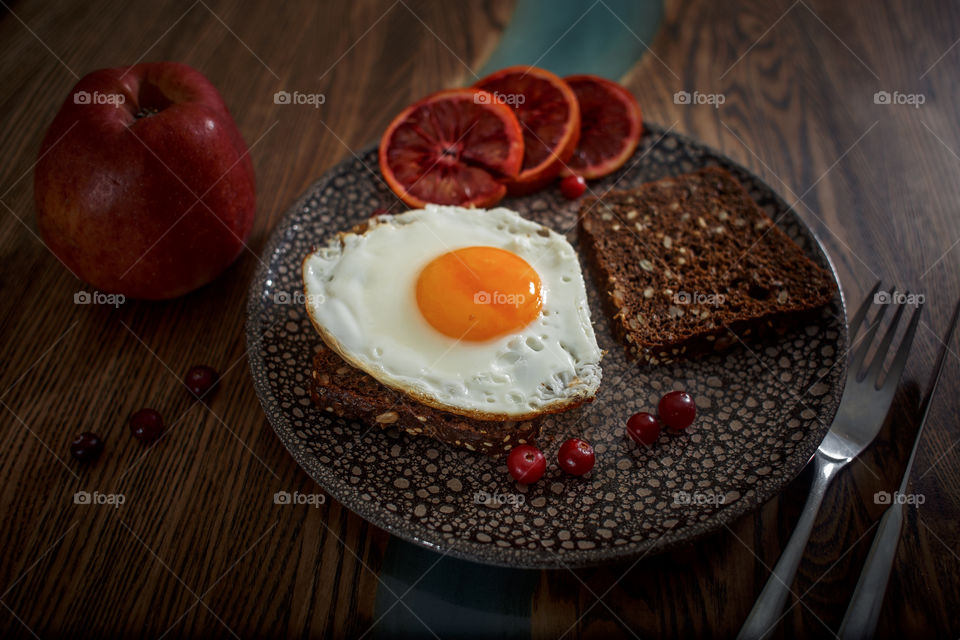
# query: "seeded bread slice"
[686,260]
[352,394]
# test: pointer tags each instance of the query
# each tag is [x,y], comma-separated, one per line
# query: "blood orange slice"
[453,147]
[550,118]
[610,129]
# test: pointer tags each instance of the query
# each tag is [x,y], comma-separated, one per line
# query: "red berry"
[576,456]
[146,425]
[379,211]
[572,187]
[643,428]
[526,463]
[86,447]
[200,379]
[677,410]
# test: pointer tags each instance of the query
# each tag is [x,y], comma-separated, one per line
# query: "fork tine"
[873,373]
[862,312]
[861,353]
[896,369]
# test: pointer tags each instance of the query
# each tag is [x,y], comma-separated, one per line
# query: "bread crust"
[352,394]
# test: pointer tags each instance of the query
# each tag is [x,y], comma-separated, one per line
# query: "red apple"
[144,185]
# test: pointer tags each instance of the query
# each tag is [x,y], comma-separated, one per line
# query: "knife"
[860,620]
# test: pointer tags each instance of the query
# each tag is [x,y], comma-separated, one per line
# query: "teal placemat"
[444,596]
[601,37]
[451,598]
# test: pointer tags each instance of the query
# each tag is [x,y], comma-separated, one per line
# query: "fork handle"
[860,621]
[767,610]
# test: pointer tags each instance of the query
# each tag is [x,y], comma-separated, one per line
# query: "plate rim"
[461,549]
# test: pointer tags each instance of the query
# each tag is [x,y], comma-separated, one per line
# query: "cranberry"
[576,456]
[677,410]
[86,447]
[200,379]
[146,425]
[379,211]
[572,187]
[643,428]
[526,463]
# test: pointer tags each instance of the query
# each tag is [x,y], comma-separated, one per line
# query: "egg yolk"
[479,293]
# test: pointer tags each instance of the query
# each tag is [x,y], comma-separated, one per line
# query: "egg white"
[360,295]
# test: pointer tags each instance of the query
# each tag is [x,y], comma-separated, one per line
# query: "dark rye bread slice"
[689,261]
[352,394]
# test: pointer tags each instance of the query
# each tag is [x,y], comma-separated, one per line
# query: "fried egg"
[477,312]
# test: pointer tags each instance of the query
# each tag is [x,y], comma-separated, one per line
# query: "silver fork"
[861,414]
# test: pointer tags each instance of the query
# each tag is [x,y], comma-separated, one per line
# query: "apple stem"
[144,112]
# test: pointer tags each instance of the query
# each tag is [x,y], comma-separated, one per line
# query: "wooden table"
[198,549]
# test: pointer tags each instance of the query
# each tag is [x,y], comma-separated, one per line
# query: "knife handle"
[860,620]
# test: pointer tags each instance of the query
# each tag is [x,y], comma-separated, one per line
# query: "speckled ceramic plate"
[763,409]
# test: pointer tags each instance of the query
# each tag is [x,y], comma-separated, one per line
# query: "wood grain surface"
[200,550]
